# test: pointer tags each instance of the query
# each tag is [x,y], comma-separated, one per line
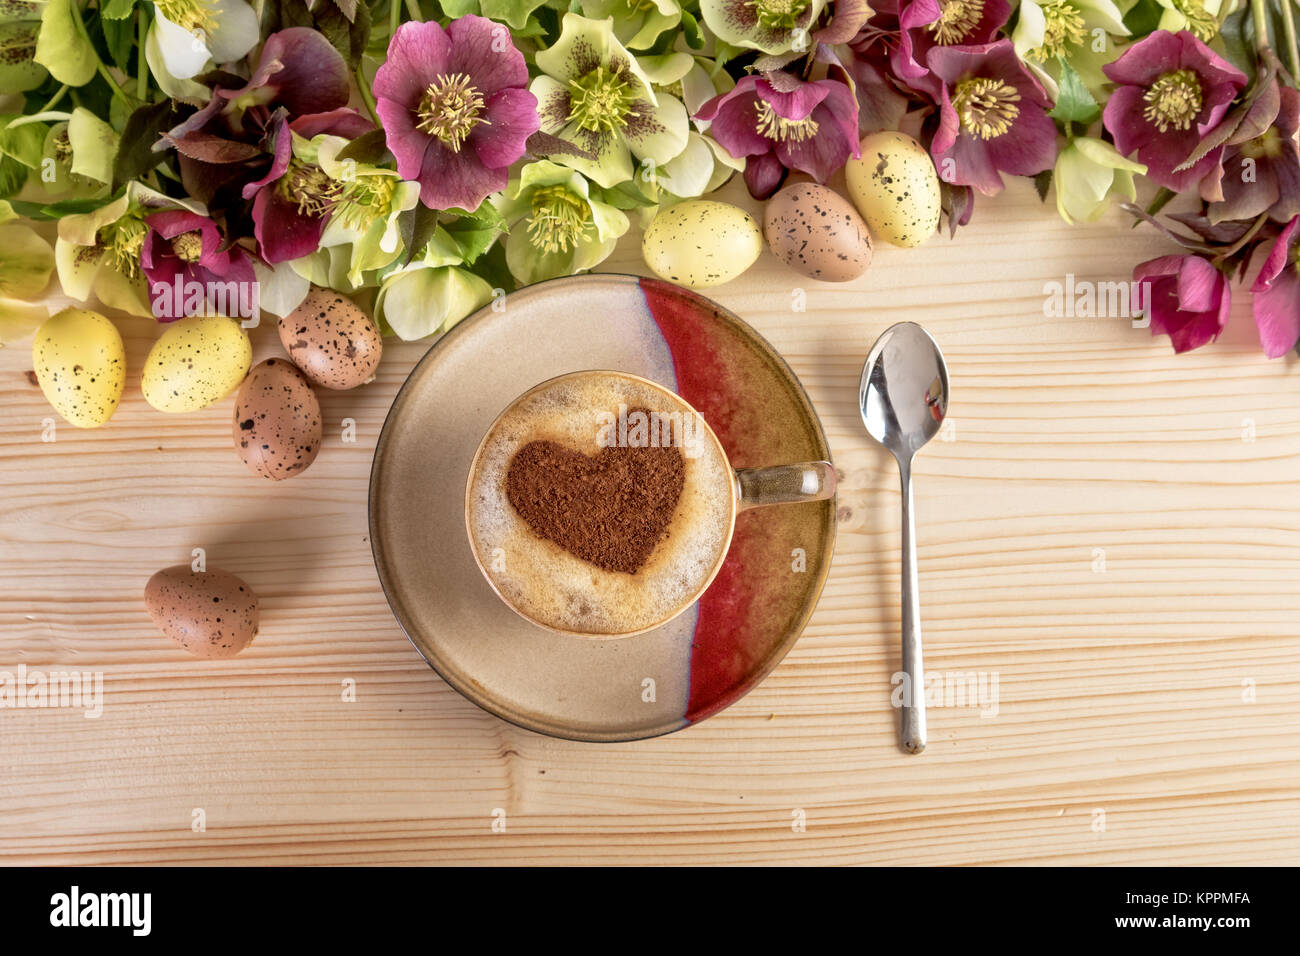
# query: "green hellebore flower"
[637,23]
[428,296]
[1076,31]
[98,252]
[772,26]
[364,214]
[63,48]
[1200,17]
[25,271]
[557,227]
[1088,173]
[594,94]
[20,28]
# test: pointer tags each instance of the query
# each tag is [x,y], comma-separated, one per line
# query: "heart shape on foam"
[609,509]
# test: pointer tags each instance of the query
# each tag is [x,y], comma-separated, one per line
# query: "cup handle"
[782,484]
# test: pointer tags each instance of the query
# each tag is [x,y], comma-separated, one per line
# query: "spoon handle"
[913,712]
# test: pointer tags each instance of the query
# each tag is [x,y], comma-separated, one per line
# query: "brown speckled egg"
[209,613]
[277,420]
[817,233]
[332,341]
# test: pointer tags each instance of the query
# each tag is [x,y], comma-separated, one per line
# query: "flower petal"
[184,54]
[237,30]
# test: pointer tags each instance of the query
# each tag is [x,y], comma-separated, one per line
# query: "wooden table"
[1110,530]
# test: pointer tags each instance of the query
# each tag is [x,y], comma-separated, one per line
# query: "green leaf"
[1042,183]
[370,149]
[116,9]
[691,29]
[13,175]
[135,152]
[475,233]
[417,228]
[56,210]
[627,196]
[1143,17]
[513,12]
[61,48]
[119,36]
[1074,104]
[1238,36]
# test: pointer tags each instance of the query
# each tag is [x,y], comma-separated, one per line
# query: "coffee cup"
[601,504]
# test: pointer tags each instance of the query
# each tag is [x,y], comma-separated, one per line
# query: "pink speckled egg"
[209,613]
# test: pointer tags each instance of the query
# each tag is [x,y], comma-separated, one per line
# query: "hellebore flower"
[190,34]
[1276,301]
[83,148]
[637,23]
[454,108]
[557,227]
[992,118]
[813,128]
[1200,17]
[1088,173]
[235,139]
[1051,31]
[926,24]
[25,271]
[1187,299]
[293,201]
[182,249]
[20,31]
[1259,168]
[428,295]
[772,26]
[594,94]
[1172,92]
[98,252]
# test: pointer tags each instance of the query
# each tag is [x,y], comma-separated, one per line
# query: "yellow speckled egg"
[195,362]
[896,189]
[701,243]
[81,366]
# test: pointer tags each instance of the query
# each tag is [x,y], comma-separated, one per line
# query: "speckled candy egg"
[277,421]
[817,233]
[80,365]
[895,187]
[209,613]
[332,341]
[195,362]
[700,243]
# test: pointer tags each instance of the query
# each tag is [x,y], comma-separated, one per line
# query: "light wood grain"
[1121,690]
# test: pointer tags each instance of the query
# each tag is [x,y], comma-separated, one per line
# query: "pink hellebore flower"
[926,24]
[1172,92]
[812,128]
[1277,294]
[1187,299]
[182,247]
[992,117]
[455,109]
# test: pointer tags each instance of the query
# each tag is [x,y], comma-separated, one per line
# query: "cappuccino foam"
[555,587]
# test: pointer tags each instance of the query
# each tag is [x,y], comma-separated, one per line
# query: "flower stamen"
[1063,28]
[601,101]
[1203,24]
[196,16]
[987,107]
[1173,100]
[365,200]
[558,219]
[123,240]
[782,130]
[956,20]
[309,188]
[188,246]
[450,109]
[777,14]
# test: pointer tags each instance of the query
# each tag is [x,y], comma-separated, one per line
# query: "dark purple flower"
[454,108]
[235,153]
[182,248]
[292,202]
[1259,168]
[1276,291]
[1187,299]
[1172,92]
[992,117]
[811,127]
[926,24]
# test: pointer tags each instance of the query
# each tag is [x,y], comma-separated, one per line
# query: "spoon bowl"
[903,397]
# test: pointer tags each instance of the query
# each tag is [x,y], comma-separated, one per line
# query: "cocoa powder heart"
[610,509]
